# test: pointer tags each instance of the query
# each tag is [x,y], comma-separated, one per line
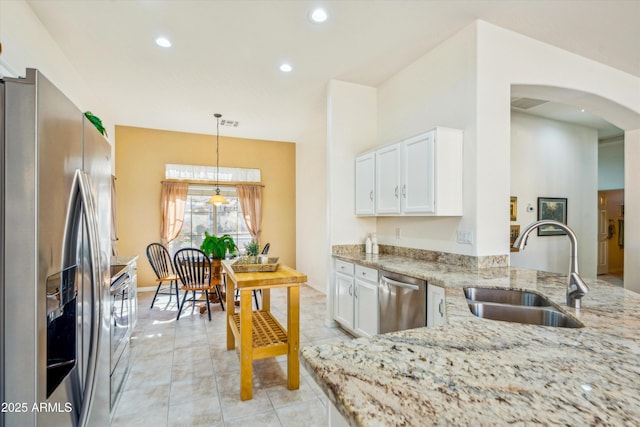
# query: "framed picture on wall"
[513,208]
[552,208]
[515,232]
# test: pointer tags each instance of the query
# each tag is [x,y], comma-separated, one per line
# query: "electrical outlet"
[397,232]
[465,237]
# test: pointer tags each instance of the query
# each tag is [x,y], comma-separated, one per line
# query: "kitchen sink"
[507,296]
[519,306]
[524,314]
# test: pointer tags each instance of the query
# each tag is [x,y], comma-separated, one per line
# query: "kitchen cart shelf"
[269,337]
[257,333]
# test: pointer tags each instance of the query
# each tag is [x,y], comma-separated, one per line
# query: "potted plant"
[216,247]
[252,252]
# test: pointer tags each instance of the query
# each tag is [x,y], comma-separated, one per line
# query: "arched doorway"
[629,122]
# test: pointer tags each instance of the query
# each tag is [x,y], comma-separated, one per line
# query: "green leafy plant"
[96,122]
[253,248]
[216,247]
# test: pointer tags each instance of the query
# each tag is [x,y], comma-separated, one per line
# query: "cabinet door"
[436,309]
[366,313]
[418,174]
[365,183]
[343,304]
[388,189]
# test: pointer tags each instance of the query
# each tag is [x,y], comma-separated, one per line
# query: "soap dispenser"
[374,244]
[368,245]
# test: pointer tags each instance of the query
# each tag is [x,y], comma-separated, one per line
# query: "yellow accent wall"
[140,158]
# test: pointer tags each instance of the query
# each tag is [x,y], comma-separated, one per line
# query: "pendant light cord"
[217,115]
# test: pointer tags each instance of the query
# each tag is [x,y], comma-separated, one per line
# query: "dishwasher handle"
[399,284]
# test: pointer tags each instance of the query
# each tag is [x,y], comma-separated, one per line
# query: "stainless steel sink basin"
[506,296]
[516,305]
[524,314]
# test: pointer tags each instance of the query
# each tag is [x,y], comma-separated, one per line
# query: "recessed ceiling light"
[582,110]
[319,15]
[286,68]
[162,41]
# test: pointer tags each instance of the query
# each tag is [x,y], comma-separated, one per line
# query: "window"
[200,216]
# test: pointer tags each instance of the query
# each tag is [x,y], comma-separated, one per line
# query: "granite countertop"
[123,259]
[476,371]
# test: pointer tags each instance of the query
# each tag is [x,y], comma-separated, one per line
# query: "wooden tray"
[252,264]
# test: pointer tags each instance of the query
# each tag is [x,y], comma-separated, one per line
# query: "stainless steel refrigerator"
[54,281]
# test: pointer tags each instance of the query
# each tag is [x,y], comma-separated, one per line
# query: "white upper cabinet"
[418,174]
[365,184]
[388,176]
[421,175]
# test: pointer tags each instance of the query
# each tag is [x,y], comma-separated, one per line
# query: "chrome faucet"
[576,287]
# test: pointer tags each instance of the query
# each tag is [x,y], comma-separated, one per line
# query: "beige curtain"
[172,203]
[250,197]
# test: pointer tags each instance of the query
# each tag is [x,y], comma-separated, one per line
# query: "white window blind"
[208,173]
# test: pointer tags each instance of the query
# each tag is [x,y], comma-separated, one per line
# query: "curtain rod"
[206,182]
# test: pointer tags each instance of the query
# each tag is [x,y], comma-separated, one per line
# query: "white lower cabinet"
[343,312]
[366,301]
[356,298]
[436,309]
[356,306]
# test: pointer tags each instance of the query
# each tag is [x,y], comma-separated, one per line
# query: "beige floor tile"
[192,371]
[201,388]
[308,414]
[146,398]
[233,407]
[281,396]
[196,412]
[149,377]
[266,419]
[144,416]
[173,361]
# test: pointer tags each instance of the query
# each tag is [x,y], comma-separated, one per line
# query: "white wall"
[555,159]
[351,130]
[436,90]
[27,44]
[611,164]
[311,208]
[632,210]
[466,83]
[507,58]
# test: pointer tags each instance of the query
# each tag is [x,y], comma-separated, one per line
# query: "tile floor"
[182,374]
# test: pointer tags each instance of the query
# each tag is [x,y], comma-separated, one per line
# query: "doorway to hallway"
[611,235]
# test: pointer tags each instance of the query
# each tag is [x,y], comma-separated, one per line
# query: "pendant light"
[218,199]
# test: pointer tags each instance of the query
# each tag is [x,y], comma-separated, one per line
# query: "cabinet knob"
[396,191]
[404,191]
[371,195]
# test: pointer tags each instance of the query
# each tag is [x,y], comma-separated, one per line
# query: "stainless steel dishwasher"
[402,301]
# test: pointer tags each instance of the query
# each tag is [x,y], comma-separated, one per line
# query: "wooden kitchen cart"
[258,333]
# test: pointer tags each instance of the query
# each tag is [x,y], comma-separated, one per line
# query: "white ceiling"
[225,54]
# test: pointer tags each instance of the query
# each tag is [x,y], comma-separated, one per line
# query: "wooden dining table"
[258,333]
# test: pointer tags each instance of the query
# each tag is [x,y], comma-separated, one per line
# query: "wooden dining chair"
[160,261]
[194,271]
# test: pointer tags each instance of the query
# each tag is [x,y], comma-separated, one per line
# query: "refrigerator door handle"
[82,195]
